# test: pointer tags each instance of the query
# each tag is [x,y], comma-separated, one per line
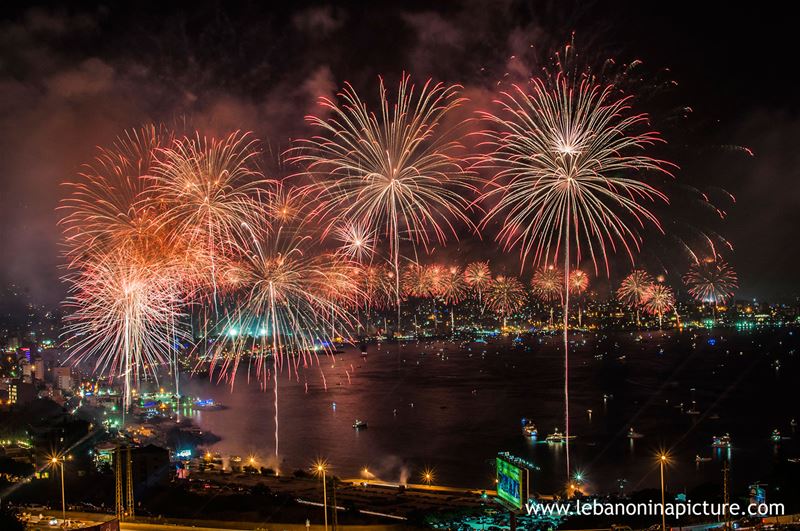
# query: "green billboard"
[512,483]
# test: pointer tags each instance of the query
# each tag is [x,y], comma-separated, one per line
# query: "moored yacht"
[529,429]
[722,441]
[557,437]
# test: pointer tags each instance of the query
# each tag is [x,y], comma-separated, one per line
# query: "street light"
[428,476]
[663,458]
[56,460]
[319,468]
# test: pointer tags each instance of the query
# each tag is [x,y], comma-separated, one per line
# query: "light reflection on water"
[438,405]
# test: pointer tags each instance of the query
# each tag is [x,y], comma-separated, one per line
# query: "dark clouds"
[764,225]
[73,78]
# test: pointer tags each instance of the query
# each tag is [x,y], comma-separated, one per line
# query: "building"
[62,377]
[27,370]
[39,371]
[21,392]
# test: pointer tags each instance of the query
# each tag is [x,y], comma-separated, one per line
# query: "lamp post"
[662,461]
[60,461]
[320,468]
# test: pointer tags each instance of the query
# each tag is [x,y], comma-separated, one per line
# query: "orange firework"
[547,283]
[506,295]
[578,281]
[376,286]
[208,191]
[125,284]
[110,206]
[422,281]
[634,289]
[659,300]
[478,276]
[712,281]
[453,291]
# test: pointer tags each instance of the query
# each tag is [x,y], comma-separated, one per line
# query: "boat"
[634,435]
[207,404]
[557,437]
[360,425]
[794,459]
[529,429]
[723,441]
[698,459]
[693,410]
[776,436]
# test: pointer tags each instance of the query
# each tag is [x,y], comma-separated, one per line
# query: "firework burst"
[291,298]
[208,191]
[659,300]
[421,281]
[123,315]
[711,281]
[453,291]
[634,289]
[108,208]
[125,289]
[563,149]
[547,283]
[578,282]
[506,295]
[356,242]
[478,276]
[376,286]
[396,172]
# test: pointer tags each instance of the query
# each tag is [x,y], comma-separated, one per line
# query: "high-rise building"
[39,368]
[63,377]
[27,370]
[20,392]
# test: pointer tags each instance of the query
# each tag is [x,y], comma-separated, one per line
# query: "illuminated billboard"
[512,481]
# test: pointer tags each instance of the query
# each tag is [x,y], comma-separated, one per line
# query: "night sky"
[717,78]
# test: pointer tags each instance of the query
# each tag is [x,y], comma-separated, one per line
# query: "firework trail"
[396,172]
[478,276]
[634,290]
[286,307]
[563,148]
[712,281]
[659,300]
[506,295]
